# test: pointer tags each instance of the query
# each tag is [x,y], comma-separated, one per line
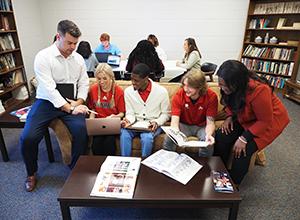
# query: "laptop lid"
[114,60]
[103,126]
[102,57]
[66,90]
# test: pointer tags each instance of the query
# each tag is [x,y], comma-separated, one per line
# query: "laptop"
[114,60]
[102,57]
[66,90]
[103,126]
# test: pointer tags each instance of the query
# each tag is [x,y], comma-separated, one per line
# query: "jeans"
[147,139]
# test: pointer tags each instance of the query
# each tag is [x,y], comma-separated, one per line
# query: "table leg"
[65,211]
[3,148]
[233,212]
[49,147]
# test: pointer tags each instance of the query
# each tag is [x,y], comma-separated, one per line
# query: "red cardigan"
[264,115]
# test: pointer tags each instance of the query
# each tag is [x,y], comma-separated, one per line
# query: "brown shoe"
[30,183]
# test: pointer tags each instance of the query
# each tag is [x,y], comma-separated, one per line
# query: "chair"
[209,69]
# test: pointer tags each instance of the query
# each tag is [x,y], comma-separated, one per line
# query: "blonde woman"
[107,99]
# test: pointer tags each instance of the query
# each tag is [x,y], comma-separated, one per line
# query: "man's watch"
[72,109]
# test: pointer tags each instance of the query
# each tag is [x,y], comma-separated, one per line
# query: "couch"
[64,137]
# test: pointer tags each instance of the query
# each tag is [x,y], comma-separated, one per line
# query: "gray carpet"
[270,192]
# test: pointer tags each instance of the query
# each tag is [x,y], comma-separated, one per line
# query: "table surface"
[151,185]
[171,70]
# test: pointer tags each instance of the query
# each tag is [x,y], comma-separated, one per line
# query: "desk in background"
[171,70]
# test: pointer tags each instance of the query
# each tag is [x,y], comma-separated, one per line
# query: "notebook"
[114,60]
[102,57]
[103,126]
[66,90]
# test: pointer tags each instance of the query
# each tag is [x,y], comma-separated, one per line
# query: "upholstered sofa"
[64,137]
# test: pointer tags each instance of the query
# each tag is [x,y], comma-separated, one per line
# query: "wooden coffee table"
[153,189]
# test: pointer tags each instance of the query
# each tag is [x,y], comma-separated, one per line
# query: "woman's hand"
[227,125]
[239,149]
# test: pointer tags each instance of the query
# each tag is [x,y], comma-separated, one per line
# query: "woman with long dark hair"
[255,116]
[144,52]
[192,55]
[84,49]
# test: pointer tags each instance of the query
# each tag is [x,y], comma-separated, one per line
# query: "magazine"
[21,113]
[180,167]
[117,177]
[221,182]
[180,139]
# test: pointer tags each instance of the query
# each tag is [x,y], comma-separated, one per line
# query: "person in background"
[192,55]
[193,110]
[84,49]
[58,63]
[145,101]
[255,116]
[106,47]
[160,52]
[107,99]
[144,52]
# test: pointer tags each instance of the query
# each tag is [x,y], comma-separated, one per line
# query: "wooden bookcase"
[271,41]
[13,81]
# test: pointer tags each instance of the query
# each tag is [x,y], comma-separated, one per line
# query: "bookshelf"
[13,82]
[271,41]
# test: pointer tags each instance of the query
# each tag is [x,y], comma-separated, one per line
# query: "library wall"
[217,26]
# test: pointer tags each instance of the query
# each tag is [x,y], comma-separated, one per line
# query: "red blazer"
[264,115]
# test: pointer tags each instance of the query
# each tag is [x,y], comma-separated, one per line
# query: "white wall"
[217,25]
[28,21]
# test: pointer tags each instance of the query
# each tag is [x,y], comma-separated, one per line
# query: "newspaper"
[180,139]
[117,177]
[180,167]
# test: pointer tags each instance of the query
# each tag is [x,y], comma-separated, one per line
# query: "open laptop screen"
[102,57]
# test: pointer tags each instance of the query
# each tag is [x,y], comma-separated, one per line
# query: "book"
[117,177]
[180,138]
[221,182]
[140,126]
[179,167]
[21,113]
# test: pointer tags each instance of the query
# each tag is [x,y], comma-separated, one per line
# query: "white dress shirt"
[51,67]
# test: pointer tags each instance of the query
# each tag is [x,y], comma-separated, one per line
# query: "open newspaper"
[180,139]
[180,167]
[117,177]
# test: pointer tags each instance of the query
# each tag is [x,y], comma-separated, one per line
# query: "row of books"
[277,8]
[5,26]
[7,42]
[259,23]
[285,69]
[275,81]
[271,53]
[7,62]
[5,5]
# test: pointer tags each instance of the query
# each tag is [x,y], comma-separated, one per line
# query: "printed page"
[185,169]
[160,160]
[117,177]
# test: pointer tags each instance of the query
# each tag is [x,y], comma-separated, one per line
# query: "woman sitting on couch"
[107,99]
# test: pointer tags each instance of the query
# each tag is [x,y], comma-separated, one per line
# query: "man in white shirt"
[145,101]
[56,64]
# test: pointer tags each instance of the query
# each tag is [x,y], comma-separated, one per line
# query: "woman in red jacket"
[255,116]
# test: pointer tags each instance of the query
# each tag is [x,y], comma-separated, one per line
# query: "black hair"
[142,70]
[236,76]
[67,26]
[84,49]
[154,39]
[145,52]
